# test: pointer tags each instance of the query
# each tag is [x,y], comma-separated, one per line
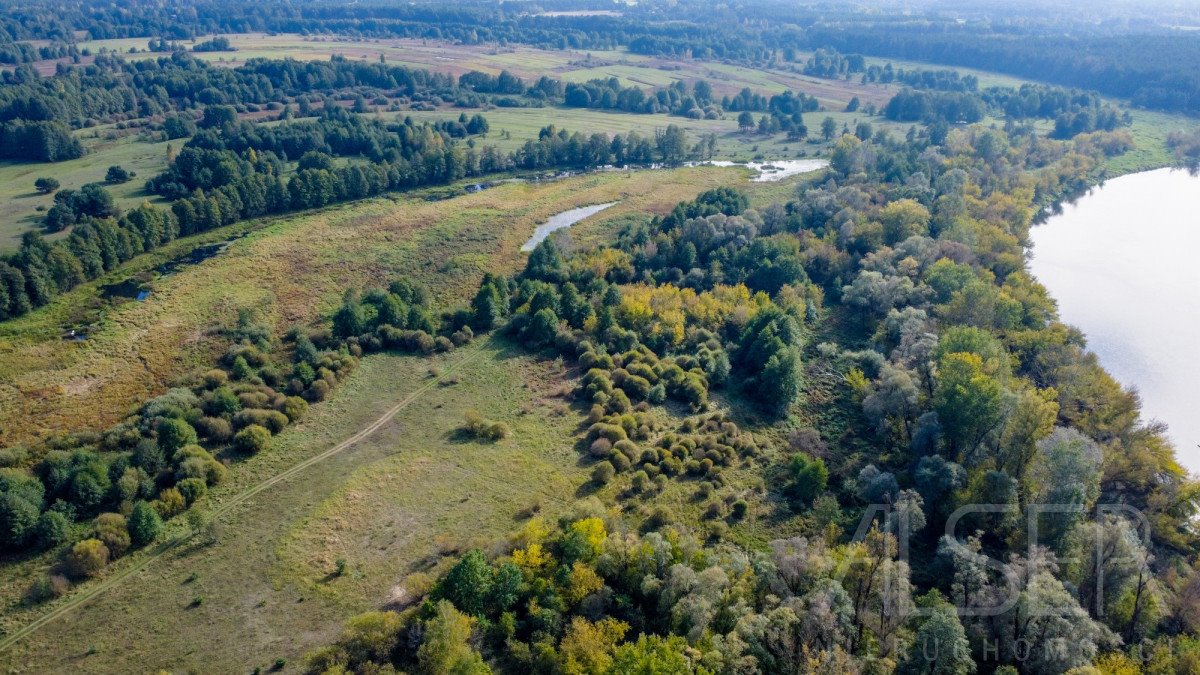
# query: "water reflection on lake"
[1122,263]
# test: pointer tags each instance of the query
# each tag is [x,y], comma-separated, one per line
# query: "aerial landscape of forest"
[599,336]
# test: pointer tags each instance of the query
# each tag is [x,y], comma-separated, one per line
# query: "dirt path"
[166,547]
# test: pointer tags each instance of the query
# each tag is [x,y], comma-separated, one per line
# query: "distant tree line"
[235,170]
[1074,112]
[113,89]
[829,63]
[1153,68]
[919,78]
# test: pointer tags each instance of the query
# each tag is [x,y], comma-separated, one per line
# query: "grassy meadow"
[258,584]
[394,505]
[290,270]
[524,123]
[19,202]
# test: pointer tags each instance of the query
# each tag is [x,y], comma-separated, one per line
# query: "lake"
[1122,263]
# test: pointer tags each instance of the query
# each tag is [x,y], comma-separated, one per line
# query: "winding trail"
[240,498]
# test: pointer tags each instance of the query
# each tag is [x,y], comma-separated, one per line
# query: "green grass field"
[524,123]
[1150,130]
[19,201]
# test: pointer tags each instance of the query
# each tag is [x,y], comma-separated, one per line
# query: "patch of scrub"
[776,169]
[562,220]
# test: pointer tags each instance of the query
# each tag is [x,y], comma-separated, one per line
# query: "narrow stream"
[560,221]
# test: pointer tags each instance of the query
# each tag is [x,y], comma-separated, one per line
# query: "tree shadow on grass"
[459,436]
[588,489]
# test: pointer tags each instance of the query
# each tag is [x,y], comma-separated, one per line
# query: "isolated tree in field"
[45,185]
[828,128]
[118,174]
[853,105]
[746,121]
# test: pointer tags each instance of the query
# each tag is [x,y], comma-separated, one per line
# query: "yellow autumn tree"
[587,647]
[583,582]
[531,558]
[593,532]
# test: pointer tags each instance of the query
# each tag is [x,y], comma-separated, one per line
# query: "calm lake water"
[1122,263]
